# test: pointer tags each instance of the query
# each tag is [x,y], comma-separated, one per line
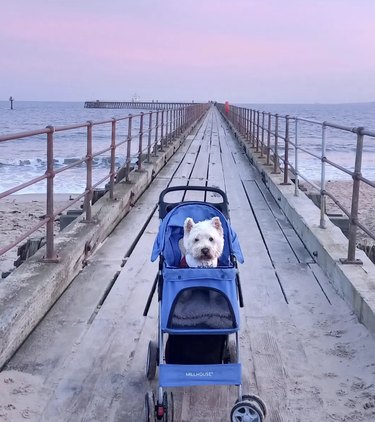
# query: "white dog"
[203,242]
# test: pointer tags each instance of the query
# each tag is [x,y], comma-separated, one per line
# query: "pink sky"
[249,51]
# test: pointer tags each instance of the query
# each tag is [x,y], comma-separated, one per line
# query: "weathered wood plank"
[295,242]
[215,169]
[278,248]
[301,287]
[106,351]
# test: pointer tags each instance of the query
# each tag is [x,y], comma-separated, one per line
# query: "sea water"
[24,159]
[340,145]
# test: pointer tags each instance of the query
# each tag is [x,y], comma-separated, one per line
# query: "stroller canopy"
[171,230]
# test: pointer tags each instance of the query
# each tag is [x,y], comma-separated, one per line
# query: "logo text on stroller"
[199,374]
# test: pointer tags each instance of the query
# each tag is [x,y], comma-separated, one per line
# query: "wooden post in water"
[11,99]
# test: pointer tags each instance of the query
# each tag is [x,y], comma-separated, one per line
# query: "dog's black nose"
[205,251]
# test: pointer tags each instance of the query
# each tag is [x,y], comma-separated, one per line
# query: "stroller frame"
[228,371]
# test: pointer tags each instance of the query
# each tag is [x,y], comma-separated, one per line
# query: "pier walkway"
[303,350]
[140,105]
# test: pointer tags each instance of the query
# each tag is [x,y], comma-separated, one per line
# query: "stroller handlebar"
[165,207]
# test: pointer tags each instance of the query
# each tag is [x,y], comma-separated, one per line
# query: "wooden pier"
[302,349]
[142,105]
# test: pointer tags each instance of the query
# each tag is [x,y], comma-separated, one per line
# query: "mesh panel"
[201,308]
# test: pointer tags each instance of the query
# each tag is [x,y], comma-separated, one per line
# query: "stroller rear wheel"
[168,403]
[249,409]
[165,411]
[149,407]
[152,360]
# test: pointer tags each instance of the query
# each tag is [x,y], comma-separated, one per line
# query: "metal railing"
[157,129]
[275,136]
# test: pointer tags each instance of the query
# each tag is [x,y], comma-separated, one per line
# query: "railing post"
[269,140]
[50,250]
[177,125]
[182,119]
[276,169]
[149,137]
[88,195]
[355,201]
[113,158]
[247,125]
[244,120]
[257,145]
[156,133]
[171,131]
[296,180]
[128,148]
[322,223]
[254,128]
[244,115]
[167,117]
[140,146]
[286,152]
[262,142]
[162,130]
[251,127]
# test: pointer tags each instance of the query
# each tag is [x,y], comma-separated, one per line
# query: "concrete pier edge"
[355,283]
[28,293]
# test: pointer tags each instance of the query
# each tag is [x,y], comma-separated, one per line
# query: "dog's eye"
[211,239]
[196,240]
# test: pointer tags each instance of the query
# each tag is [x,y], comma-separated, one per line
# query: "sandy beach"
[342,190]
[19,213]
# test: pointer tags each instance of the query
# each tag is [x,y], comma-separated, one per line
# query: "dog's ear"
[217,224]
[188,225]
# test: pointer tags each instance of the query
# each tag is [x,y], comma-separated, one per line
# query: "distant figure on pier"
[11,99]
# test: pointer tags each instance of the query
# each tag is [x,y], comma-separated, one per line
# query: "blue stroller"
[198,321]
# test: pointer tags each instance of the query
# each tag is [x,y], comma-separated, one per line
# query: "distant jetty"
[148,105]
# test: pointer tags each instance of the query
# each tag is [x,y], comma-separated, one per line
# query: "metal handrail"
[259,132]
[173,123]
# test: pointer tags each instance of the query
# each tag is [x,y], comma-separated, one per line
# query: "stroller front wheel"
[257,401]
[152,360]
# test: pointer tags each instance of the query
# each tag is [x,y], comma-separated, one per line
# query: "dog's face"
[203,242]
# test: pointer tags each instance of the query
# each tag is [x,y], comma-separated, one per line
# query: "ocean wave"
[41,163]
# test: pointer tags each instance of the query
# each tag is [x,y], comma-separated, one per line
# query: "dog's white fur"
[203,242]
